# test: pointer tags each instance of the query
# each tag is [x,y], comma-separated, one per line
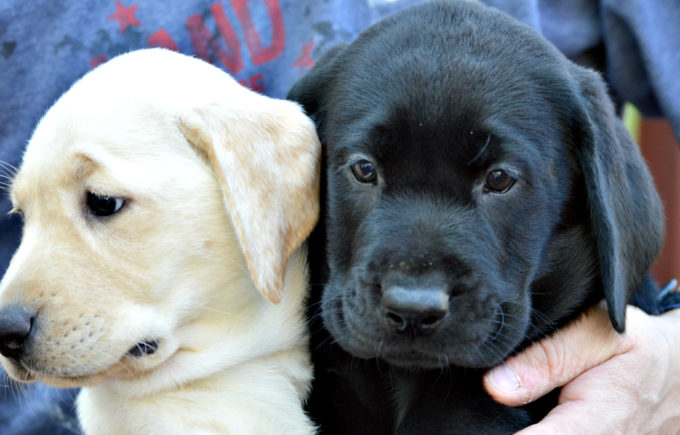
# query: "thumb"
[554,361]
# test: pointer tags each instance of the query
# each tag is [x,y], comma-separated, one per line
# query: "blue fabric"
[267,45]
[643,54]
[37,409]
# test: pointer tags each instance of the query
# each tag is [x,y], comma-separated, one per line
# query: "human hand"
[612,383]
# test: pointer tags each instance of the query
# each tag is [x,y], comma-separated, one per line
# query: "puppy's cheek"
[514,323]
[335,310]
[347,325]
[331,310]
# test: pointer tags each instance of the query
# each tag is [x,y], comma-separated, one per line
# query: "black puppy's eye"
[103,205]
[365,171]
[498,181]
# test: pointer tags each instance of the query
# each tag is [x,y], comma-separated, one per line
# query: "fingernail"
[505,379]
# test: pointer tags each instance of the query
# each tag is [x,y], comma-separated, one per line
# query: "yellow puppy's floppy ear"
[266,156]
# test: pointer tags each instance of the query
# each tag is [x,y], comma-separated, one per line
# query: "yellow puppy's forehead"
[131,147]
[128,105]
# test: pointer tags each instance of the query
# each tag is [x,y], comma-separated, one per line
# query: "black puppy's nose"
[418,311]
[15,326]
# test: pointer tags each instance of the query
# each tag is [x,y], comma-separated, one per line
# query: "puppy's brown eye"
[365,171]
[498,181]
[103,205]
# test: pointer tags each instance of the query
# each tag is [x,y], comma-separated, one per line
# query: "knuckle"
[554,356]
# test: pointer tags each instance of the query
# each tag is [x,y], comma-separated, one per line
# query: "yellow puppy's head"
[153,193]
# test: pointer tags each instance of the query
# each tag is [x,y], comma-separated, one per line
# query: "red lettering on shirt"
[305,60]
[258,53]
[161,38]
[204,43]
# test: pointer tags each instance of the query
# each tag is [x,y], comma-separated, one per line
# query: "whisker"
[329,339]
[7,169]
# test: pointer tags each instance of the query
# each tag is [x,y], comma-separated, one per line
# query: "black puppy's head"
[480,189]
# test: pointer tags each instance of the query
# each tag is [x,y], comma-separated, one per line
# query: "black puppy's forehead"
[412,133]
[469,69]
[409,138]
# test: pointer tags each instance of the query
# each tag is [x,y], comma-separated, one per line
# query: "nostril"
[397,322]
[15,327]
[430,320]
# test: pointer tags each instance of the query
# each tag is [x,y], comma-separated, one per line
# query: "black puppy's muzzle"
[414,311]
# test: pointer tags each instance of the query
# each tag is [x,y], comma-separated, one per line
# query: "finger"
[554,361]
[561,421]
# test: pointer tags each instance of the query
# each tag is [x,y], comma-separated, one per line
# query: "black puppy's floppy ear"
[625,210]
[266,156]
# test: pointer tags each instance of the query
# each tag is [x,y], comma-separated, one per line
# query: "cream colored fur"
[221,188]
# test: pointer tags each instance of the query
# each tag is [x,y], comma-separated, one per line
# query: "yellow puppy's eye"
[103,205]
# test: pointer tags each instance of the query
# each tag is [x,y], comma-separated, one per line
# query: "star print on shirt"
[125,16]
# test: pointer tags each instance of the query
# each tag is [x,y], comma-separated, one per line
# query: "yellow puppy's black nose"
[15,327]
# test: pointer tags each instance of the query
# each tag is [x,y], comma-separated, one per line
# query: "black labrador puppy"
[481,193]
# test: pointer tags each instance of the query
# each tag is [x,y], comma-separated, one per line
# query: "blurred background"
[662,153]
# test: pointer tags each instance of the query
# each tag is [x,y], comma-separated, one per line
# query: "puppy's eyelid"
[349,163]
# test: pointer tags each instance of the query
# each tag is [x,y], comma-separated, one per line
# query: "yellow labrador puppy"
[158,197]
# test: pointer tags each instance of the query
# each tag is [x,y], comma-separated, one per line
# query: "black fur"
[438,97]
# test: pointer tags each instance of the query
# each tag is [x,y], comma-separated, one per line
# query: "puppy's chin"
[363,335]
[470,355]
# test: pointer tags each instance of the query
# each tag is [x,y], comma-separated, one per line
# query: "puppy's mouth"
[495,338]
[131,364]
[143,348]
[415,360]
